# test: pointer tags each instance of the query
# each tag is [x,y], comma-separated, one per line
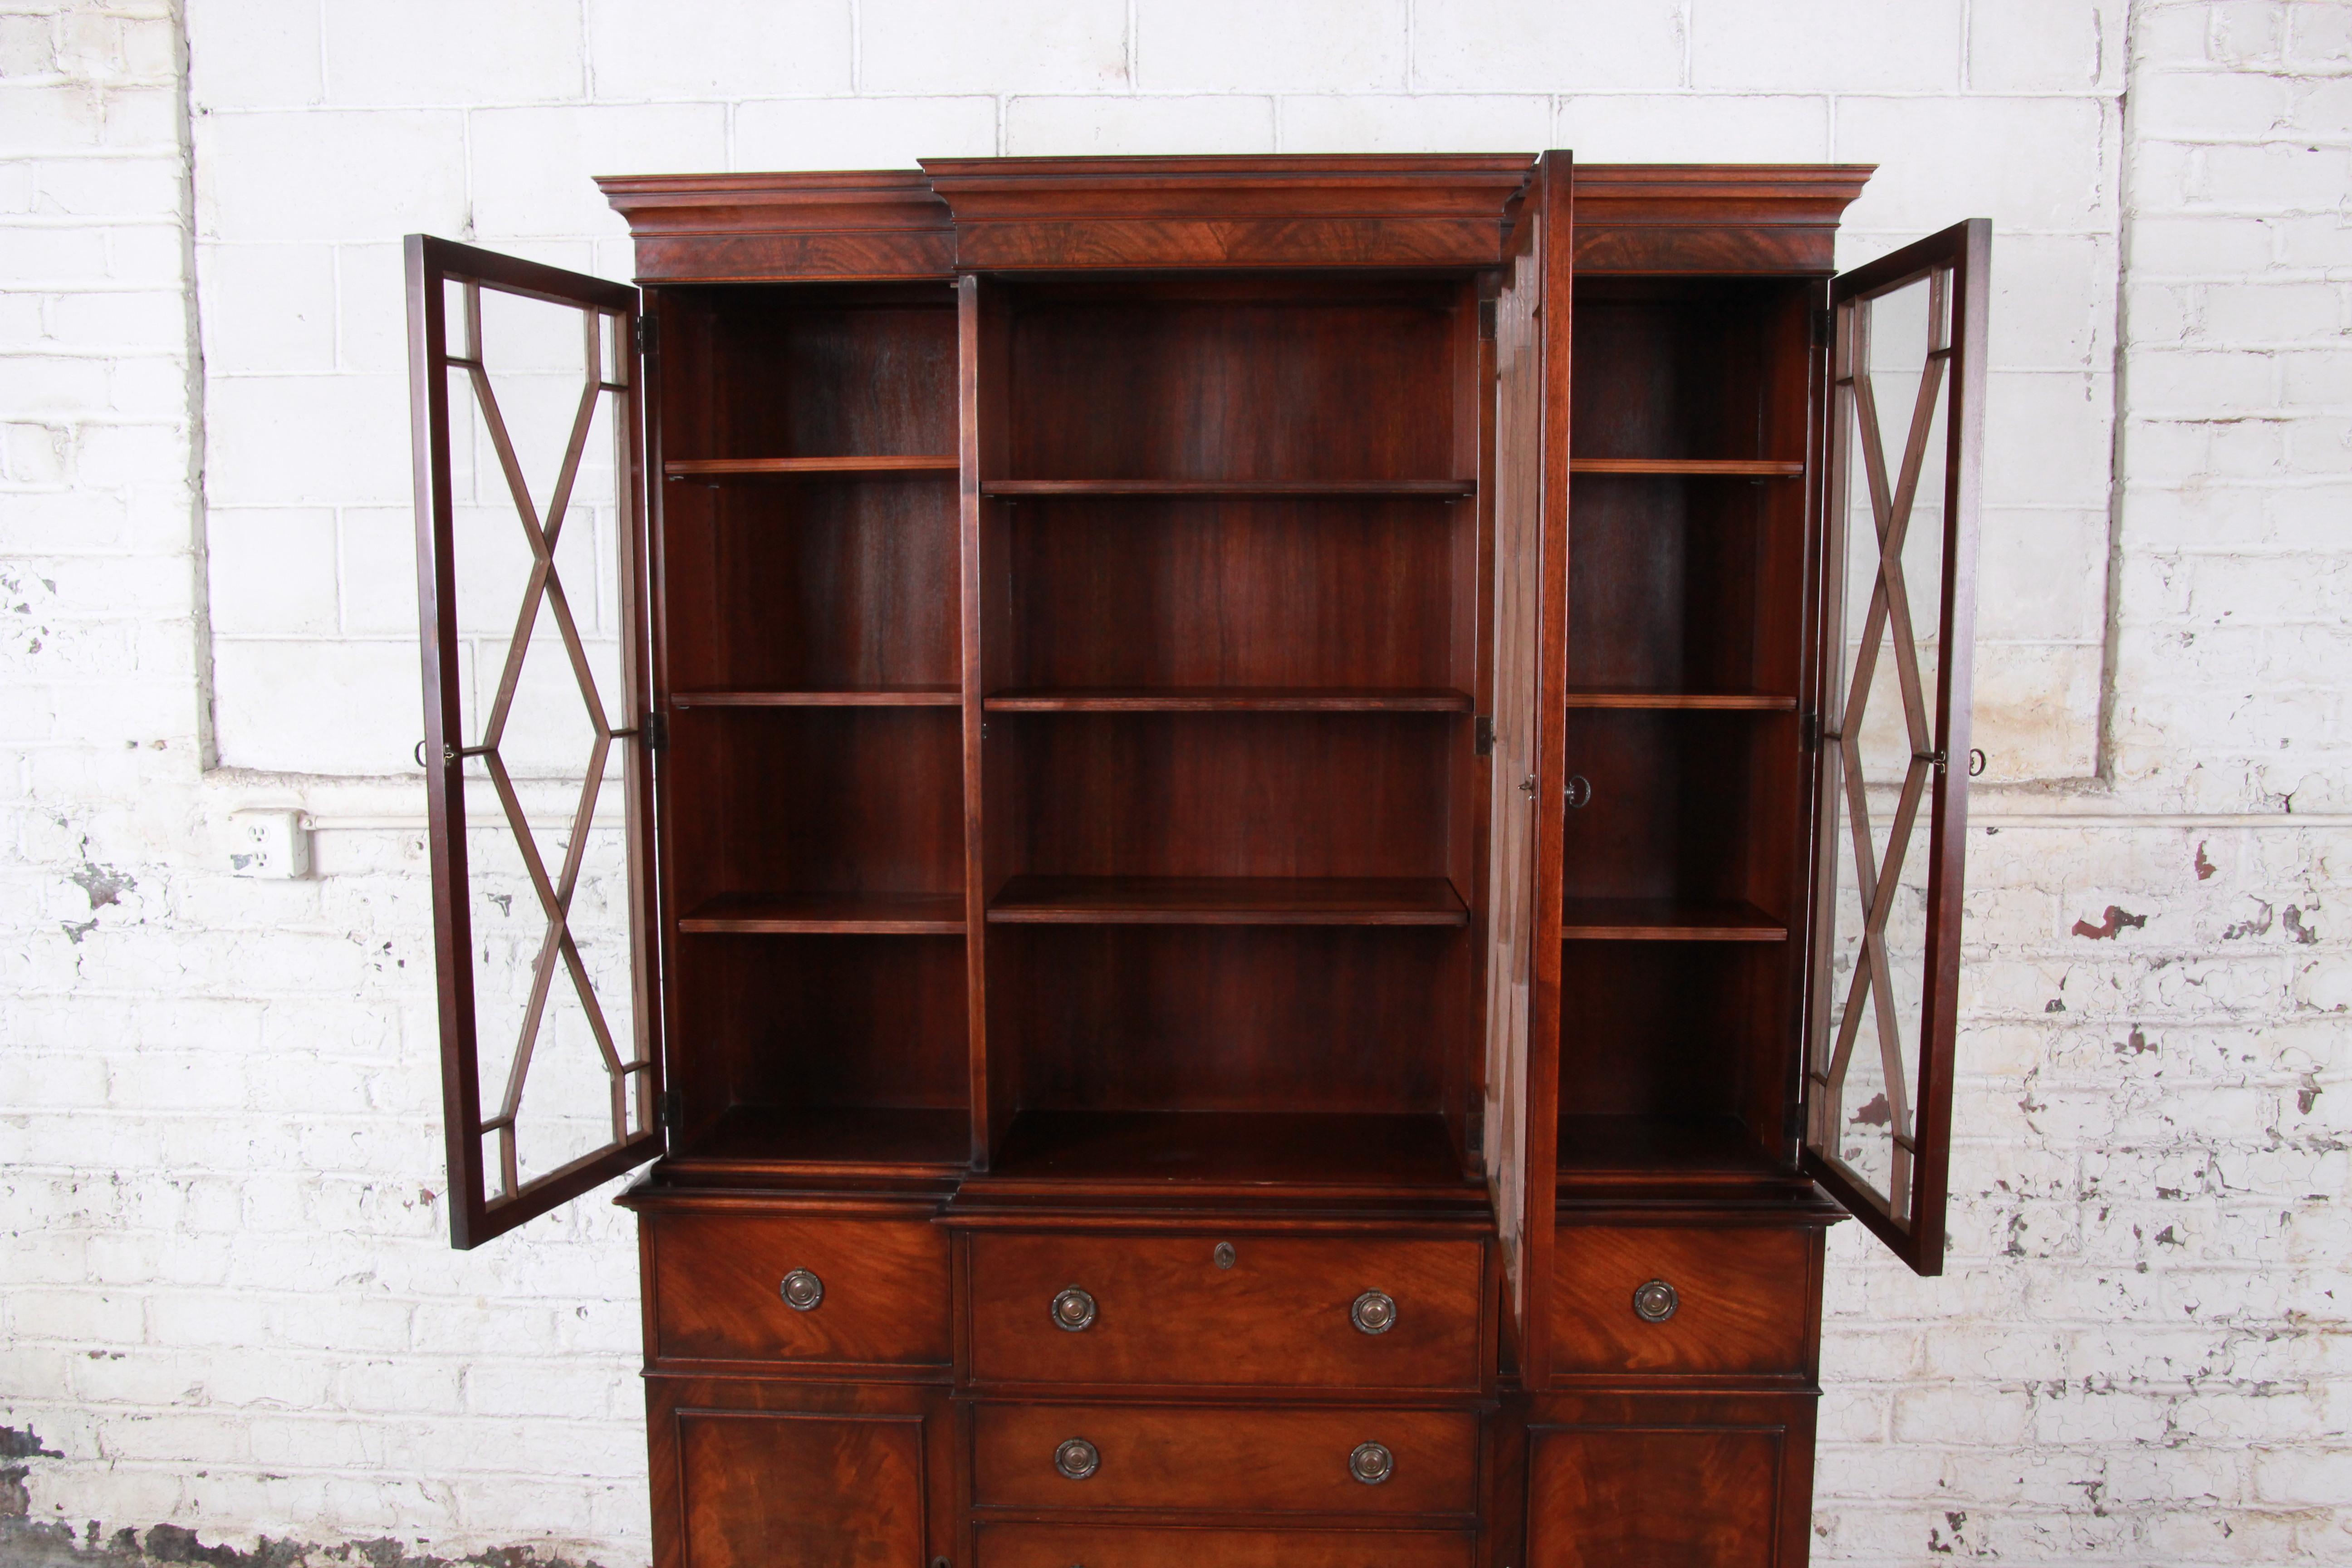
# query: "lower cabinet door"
[1665,1497]
[1177,1546]
[779,1476]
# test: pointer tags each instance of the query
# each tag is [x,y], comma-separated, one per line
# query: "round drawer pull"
[1072,1310]
[802,1291]
[1372,1463]
[1224,1254]
[1373,1313]
[1655,1301]
[1077,1458]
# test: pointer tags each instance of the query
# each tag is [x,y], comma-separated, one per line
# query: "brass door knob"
[1374,1312]
[1655,1301]
[802,1291]
[1077,1458]
[1073,1310]
[1372,1463]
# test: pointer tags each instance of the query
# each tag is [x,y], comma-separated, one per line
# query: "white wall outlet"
[274,844]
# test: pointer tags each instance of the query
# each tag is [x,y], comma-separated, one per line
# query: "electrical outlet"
[273,844]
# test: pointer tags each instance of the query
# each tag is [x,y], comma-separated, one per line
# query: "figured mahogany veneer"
[1183,1546]
[716,1283]
[1273,1310]
[1741,1301]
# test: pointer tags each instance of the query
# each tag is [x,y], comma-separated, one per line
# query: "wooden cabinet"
[1290,827]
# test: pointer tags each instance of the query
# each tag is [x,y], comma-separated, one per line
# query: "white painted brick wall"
[225,1301]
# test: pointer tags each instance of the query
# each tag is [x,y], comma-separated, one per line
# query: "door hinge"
[1823,335]
[648,336]
[1810,726]
[1486,320]
[655,731]
[669,1108]
[1474,1136]
[1484,735]
[1793,1121]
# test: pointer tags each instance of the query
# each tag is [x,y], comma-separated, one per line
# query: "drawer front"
[1739,1301]
[1279,1462]
[1273,1310]
[1108,1546]
[879,1294]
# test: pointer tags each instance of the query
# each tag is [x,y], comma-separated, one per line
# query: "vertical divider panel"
[982,444]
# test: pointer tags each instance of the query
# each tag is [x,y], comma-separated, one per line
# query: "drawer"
[1176,1456]
[1110,1546]
[880,1296]
[1741,1299]
[1274,1310]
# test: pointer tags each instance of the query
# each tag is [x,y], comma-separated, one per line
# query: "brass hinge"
[1811,727]
[648,335]
[655,731]
[669,1108]
[1484,735]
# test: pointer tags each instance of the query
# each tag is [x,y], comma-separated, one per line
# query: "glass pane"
[1882,732]
[534,460]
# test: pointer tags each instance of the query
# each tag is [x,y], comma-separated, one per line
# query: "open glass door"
[1530,584]
[1897,613]
[531,610]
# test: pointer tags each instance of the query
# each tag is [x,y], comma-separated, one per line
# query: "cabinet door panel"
[1898,606]
[1110,1546]
[529,464]
[1654,1498]
[763,1489]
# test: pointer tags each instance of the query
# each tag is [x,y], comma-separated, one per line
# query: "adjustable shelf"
[1228,900]
[1229,700]
[1681,701]
[1428,490]
[843,1140]
[931,696]
[1720,467]
[805,467]
[1666,920]
[877,914]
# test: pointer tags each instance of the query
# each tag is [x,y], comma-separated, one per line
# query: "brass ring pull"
[1372,1463]
[1374,1312]
[1073,1310]
[1655,1301]
[802,1291]
[1077,1458]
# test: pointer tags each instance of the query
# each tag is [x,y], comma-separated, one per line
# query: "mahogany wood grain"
[717,1286]
[1075,1151]
[1666,920]
[822,1143]
[1168,1313]
[829,697]
[911,914]
[1440,490]
[1680,701]
[1229,700]
[1723,468]
[1674,1029]
[726,228]
[1228,900]
[762,1487]
[1743,1300]
[786,468]
[1653,218]
[1662,1150]
[1239,1459]
[1191,1546]
[1660,1497]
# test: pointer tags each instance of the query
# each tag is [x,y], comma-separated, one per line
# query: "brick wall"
[225,1306]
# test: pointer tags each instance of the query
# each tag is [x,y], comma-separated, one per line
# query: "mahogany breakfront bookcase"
[1291,834]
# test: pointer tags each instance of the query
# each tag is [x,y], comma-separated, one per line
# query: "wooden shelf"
[884,914]
[1666,920]
[788,467]
[1428,490]
[1724,468]
[1230,901]
[1621,1151]
[882,1140]
[1235,1149]
[832,696]
[1229,700]
[1694,702]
